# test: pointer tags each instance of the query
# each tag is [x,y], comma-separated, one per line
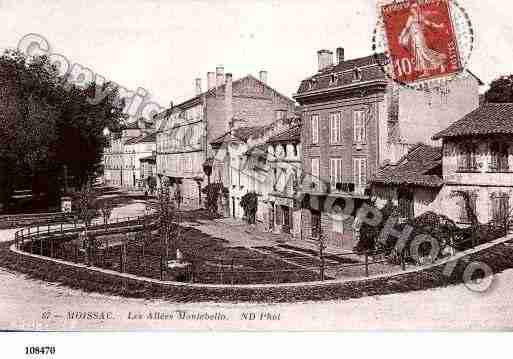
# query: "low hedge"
[499,258]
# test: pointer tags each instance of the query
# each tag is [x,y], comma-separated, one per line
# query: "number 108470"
[39,350]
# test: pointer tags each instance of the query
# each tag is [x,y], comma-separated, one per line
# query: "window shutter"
[363,172]
[339,172]
[335,128]
[355,127]
[332,172]
[315,170]
[362,127]
[356,177]
[494,154]
[315,129]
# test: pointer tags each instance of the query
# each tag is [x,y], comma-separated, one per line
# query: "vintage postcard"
[256,166]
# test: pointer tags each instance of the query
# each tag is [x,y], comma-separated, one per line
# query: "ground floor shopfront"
[330,217]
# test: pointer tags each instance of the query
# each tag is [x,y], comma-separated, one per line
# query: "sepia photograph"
[277,166]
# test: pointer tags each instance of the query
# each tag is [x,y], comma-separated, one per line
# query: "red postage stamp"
[421,40]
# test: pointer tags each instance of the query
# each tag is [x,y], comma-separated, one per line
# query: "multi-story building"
[136,149]
[476,157]
[284,158]
[121,156]
[241,164]
[114,154]
[149,169]
[186,130]
[356,120]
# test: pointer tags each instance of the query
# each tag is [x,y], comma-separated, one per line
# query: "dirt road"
[30,304]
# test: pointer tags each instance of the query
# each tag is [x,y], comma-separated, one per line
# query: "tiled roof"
[368,66]
[290,135]
[145,138]
[421,166]
[260,149]
[242,134]
[487,119]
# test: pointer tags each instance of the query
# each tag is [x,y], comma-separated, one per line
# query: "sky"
[162,46]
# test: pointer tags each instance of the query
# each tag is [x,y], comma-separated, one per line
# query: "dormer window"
[357,74]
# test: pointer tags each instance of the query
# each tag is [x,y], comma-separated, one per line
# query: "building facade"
[136,149]
[119,159]
[186,130]
[242,164]
[476,158]
[355,120]
[284,158]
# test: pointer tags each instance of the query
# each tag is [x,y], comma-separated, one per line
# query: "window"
[359,126]
[316,223]
[278,215]
[275,178]
[335,127]
[357,74]
[294,180]
[315,129]
[335,172]
[463,211]
[499,157]
[467,160]
[295,149]
[360,174]
[500,208]
[315,173]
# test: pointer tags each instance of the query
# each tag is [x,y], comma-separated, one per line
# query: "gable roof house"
[186,130]
[476,157]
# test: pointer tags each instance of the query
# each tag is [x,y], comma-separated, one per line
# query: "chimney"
[263,76]
[219,76]
[211,80]
[228,99]
[325,59]
[340,55]
[198,86]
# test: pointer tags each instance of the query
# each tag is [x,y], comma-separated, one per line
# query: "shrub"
[249,202]
[368,241]
[212,192]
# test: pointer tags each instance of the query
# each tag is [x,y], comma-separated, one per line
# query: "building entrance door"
[271,217]
[286,218]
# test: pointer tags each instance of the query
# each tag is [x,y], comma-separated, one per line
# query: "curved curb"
[316,284]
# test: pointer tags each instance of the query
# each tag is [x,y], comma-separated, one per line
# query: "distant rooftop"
[487,119]
[421,166]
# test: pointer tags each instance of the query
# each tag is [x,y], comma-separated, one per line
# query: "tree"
[152,184]
[86,205]
[47,123]
[501,90]
[106,207]
[249,202]
[213,192]
[169,228]
[471,215]
[369,234]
